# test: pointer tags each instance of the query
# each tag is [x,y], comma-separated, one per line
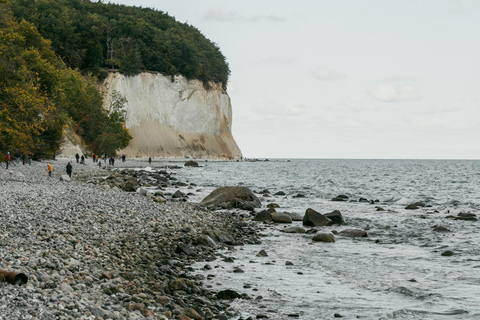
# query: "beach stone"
[336,217]
[273,205]
[288,263]
[160,199]
[262,253]
[183,248]
[299,195]
[191,163]
[178,284]
[324,237]
[293,230]
[64,287]
[340,197]
[206,241]
[466,216]
[228,294]
[65,178]
[263,216]
[178,194]
[447,253]
[440,229]
[281,218]
[233,196]
[314,219]
[353,233]
[415,206]
[280,193]
[192,314]
[294,216]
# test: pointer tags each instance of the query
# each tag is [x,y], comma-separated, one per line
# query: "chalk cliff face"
[174,119]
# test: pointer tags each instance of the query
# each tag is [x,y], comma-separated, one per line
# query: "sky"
[368,79]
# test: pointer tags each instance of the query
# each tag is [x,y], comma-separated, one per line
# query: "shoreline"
[95,252]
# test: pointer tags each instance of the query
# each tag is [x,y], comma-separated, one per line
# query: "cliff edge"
[172,117]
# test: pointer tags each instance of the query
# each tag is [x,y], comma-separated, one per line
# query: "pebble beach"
[93,251]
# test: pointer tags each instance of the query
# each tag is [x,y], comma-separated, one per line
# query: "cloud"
[279,59]
[436,124]
[274,111]
[352,105]
[395,89]
[327,74]
[217,14]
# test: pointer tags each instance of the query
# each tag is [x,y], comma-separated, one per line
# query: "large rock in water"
[315,219]
[232,197]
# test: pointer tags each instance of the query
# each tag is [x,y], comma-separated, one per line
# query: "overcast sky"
[346,78]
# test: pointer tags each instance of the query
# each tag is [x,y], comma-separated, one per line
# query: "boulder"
[293,230]
[263,216]
[415,206]
[294,216]
[353,233]
[178,194]
[221,236]
[313,218]
[340,197]
[237,197]
[336,217]
[191,163]
[324,237]
[228,295]
[281,218]
[280,193]
[65,178]
[466,216]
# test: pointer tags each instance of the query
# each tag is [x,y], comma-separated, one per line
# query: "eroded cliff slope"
[174,118]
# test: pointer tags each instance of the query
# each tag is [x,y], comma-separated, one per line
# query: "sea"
[397,272]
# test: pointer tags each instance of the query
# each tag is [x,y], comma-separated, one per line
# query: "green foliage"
[39,94]
[92,36]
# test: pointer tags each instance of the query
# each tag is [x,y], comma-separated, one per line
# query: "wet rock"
[263,216]
[336,217]
[178,284]
[183,248]
[262,253]
[314,218]
[293,230]
[466,216]
[191,163]
[280,193]
[440,229]
[294,216]
[324,237]
[447,253]
[231,196]
[340,197]
[273,205]
[206,241]
[238,270]
[299,195]
[281,218]
[415,206]
[178,194]
[353,233]
[228,294]
[192,314]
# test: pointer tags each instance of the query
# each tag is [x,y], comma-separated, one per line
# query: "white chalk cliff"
[174,119]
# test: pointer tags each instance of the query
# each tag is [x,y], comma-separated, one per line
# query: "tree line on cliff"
[52,53]
[40,96]
[94,36]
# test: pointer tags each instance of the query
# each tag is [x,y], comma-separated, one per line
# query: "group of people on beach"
[8,159]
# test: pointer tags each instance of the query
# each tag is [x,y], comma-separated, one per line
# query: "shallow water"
[398,272]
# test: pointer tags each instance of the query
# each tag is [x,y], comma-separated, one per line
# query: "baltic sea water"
[397,272]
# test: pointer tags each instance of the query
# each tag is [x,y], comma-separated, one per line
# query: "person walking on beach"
[83,160]
[150,160]
[8,159]
[77,157]
[69,169]
[49,169]
[123,158]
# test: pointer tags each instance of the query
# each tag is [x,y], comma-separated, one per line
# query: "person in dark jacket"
[69,169]
[77,157]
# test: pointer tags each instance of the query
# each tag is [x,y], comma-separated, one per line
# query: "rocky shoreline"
[93,250]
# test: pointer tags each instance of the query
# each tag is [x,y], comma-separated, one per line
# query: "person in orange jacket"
[49,169]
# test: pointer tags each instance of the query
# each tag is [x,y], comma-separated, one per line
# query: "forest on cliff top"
[94,36]
[52,53]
